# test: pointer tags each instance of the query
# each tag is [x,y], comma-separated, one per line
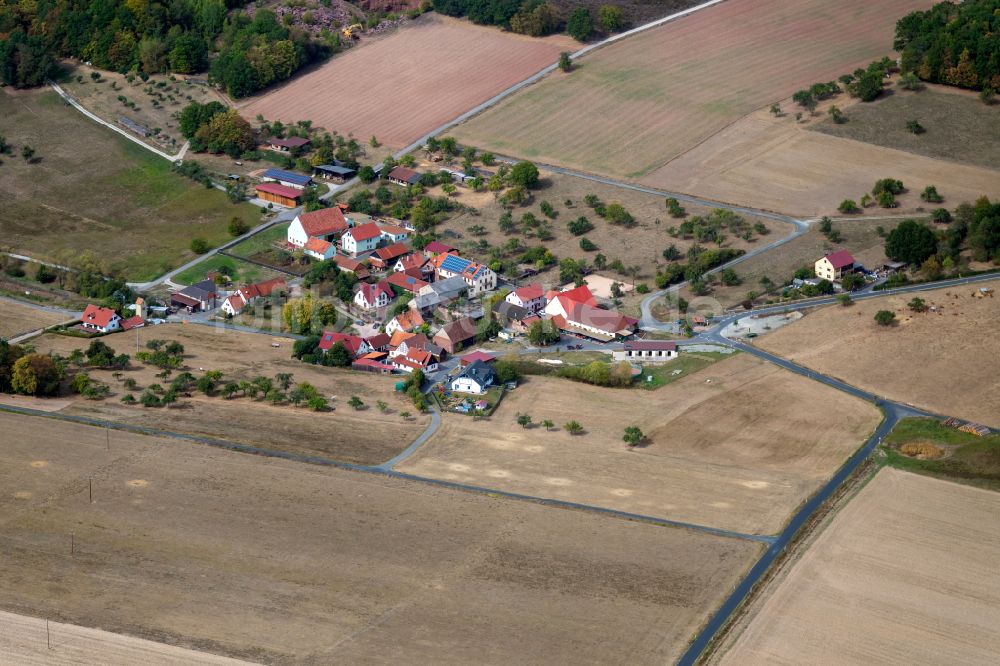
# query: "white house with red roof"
[100,319]
[385,257]
[239,299]
[374,296]
[833,266]
[394,234]
[325,224]
[355,344]
[434,248]
[319,249]
[530,297]
[404,321]
[415,359]
[575,311]
[360,239]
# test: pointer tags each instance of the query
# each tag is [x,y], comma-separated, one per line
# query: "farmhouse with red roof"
[372,296]
[100,319]
[325,224]
[530,297]
[360,239]
[834,266]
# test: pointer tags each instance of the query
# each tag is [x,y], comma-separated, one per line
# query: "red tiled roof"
[581,294]
[366,231]
[268,286]
[133,322]
[391,252]
[478,355]
[604,320]
[840,259]
[317,245]
[458,331]
[371,291]
[402,173]
[379,340]
[352,343]
[409,319]
[97,316]
[437,247]
[529,292]
[323,222]
[399,337]
[279,190]
[411,262]
[407,282]
[347,264]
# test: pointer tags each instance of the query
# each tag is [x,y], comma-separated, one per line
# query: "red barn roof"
[279,190]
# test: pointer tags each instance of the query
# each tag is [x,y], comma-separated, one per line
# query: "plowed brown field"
[641,102]
[404,85]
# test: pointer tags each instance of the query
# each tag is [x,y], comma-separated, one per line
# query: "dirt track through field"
[281,562]
[406,83]
[634,105]
[905,573]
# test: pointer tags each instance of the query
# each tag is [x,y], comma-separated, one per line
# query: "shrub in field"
[885,317]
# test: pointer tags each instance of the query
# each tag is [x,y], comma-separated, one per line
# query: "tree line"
[150,38]
[535,17]
[955,44]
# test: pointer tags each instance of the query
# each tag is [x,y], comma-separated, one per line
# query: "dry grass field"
[366,436]
[93,190]
[960,128]
[910,361]
[860,238]
[905,573]
[781,164]
[101,98]
[737,445]
[403,85]
[641,245]
[643,101]
[285,563]
[16,318]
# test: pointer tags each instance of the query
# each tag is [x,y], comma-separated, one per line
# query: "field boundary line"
[69,98]
[381,470]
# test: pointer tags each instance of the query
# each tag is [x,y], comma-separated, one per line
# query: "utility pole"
[91,489]
[48,636]
[72,544]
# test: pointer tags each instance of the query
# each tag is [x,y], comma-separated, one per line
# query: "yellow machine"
[350,31]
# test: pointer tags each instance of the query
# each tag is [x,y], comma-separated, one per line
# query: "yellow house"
[833,266]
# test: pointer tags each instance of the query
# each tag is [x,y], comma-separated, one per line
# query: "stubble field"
[737,445]
[641,102]
[403,85]
[905,573]
[910,361]
[94,191]
[16,318]
[781,164]
[280,562]
[366,436]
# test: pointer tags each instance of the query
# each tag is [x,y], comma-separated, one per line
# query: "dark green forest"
[150,37]
[954,44]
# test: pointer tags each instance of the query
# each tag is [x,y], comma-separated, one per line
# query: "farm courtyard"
[365,436]
[907,362]
[737,445]
[905,572]
[400,86]
[634,105]
[93,191]
[279,562]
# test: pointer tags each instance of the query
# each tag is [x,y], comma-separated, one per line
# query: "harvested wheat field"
[286,563]
[781,164]
[403,85]
[16,318]
[737,445]
[637,104]
[907,361]
[905,573]
[366,436]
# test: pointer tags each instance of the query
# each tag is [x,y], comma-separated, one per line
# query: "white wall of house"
[352,246]
[653,356]
[296,234]
[330,253]
[466,385]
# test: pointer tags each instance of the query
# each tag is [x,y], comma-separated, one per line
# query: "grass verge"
[966,458]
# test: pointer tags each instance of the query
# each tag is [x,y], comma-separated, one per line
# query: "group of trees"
[27,373]
[153,37]
[216,129]
[952,43]
[535,17]
[700,261]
